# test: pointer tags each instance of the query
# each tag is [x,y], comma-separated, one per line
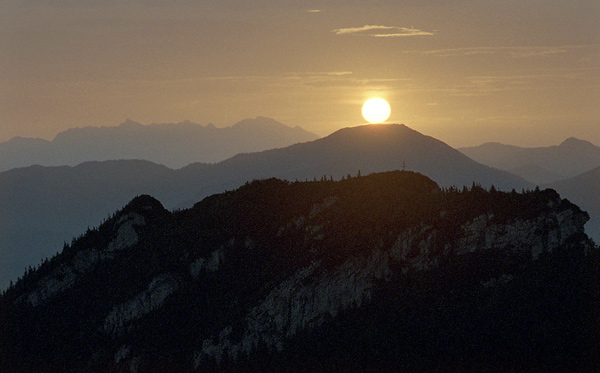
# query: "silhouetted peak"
[380,134]
[130,124]
[495,146]
[374,129]
[258,123]
[144,212]
[143,204]
[573,142]
[18,140]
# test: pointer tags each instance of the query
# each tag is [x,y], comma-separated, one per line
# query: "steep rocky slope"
[379,271]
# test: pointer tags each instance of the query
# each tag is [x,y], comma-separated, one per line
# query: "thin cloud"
[486,85]
[319,73]
[381,31]
[530,81]
[354,30]
[516,52]
[404,31]
[318,79]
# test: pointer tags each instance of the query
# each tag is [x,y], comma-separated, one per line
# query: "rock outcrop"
[143,303]
[313,295]
[66,274]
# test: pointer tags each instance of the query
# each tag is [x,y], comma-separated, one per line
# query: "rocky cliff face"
[313,295]
[65,275]
[260,276]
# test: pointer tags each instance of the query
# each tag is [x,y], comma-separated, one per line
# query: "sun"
[376,110]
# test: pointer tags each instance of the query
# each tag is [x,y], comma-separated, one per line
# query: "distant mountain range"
[46,206]
[571,168]
[172,145]
[541,165]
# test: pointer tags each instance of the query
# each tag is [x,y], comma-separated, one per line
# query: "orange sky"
[466,72]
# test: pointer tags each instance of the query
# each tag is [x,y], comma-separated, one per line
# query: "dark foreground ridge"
[381,272]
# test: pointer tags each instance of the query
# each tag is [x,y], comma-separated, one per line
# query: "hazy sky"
[466,72]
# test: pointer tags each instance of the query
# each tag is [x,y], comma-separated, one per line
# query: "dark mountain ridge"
[44,206]
[540,165]
[173,145]
[385,271]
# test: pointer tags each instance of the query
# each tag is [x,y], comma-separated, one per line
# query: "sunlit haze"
[465,72]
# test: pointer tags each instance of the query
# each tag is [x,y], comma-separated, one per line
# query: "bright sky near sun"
[464,71]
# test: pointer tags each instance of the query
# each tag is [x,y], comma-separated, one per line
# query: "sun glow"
[376,110]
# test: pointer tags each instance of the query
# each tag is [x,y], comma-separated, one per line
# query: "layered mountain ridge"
[45,206]
[572,168]
[542,165]
[174,145]
[385,271]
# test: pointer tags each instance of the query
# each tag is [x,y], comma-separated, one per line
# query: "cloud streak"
[516,52]
[381,31]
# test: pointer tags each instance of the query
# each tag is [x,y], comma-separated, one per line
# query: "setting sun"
[376,110]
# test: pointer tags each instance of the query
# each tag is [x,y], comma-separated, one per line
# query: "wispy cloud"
[485,85]
[516,52]
[380,31]
[320,79]
[404,31]
[291,79]
[365,28]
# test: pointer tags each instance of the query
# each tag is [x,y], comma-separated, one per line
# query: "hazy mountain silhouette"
[369,148]
[45,206]
[539,165]
[42,207]
[584,190]
[173,145]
